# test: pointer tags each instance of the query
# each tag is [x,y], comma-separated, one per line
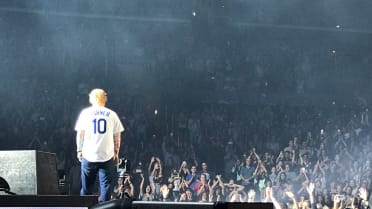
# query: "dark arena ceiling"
[212,51]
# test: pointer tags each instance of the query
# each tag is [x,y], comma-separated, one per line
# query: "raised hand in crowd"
[293,198]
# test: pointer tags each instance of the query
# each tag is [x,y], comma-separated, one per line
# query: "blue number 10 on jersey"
[99,126]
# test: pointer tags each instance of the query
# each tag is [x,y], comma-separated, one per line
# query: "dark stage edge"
[63,201]
[198,205]
[47,201]
[126,204]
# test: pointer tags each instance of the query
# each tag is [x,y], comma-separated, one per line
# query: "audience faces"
[298,141]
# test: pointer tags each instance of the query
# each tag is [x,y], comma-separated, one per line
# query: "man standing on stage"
[98,144]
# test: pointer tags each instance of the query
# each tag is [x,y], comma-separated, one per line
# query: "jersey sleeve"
[81,122]
[118,127]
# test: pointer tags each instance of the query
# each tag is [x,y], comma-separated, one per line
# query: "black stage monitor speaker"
[29,172]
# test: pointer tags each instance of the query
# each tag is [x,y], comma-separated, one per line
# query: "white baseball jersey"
[99,124]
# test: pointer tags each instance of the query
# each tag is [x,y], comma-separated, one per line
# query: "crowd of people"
[217,124]
[310,156]
[225,152]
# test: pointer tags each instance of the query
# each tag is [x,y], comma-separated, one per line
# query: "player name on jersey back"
[101,112]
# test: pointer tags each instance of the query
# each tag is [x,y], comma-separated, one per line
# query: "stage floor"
[47,201]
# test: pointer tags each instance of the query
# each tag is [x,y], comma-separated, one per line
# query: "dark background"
[178,56]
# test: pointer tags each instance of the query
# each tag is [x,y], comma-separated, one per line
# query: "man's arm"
[160,167]
[131,193]
[79,144]
[117,141]
[310,190]
[293,198]
[141,185]
[270,196]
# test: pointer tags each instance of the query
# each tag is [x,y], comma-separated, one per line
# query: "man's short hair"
[97,96]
